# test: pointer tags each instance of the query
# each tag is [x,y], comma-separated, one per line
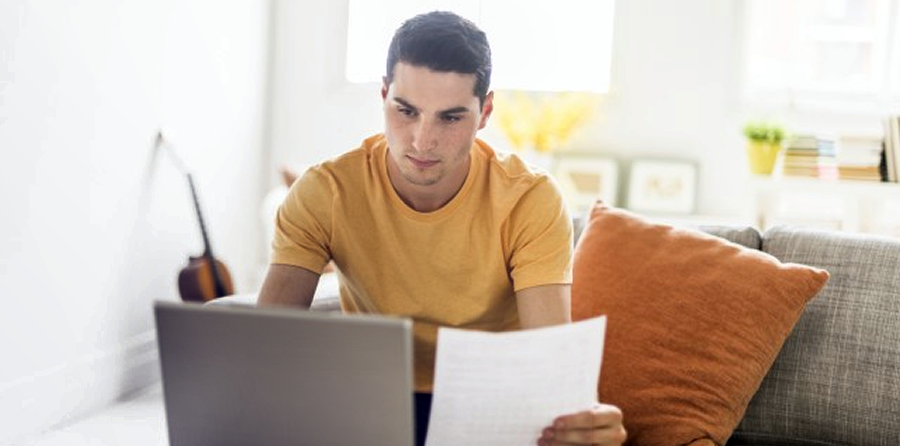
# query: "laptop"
[260,376]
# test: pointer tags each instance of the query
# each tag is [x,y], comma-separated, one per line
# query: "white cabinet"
[853,206]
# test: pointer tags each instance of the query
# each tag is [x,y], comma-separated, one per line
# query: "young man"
[428,222]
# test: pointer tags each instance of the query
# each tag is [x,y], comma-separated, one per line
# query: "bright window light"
[809,51]
[537,45]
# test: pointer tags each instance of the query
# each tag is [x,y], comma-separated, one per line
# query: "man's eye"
[452,118]
[406,111]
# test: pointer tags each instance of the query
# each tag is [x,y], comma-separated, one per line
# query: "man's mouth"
[422,163]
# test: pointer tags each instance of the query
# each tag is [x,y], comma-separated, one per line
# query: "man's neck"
[427,198]
[426,201]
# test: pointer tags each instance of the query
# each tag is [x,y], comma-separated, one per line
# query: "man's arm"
[287,285]
[545,305]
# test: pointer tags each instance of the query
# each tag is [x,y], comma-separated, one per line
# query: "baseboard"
[66,393]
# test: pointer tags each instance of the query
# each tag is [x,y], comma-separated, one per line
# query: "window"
[541,45]
[823,52]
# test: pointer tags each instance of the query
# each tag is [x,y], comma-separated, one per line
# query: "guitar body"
[197,282]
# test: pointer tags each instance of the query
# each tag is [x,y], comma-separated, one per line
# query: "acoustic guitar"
[204,278]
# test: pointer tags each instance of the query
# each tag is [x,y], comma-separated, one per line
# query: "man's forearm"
[287,285]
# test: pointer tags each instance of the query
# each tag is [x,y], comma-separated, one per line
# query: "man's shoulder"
[351,162]
[509,168]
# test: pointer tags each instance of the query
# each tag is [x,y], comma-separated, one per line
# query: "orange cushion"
[694,323]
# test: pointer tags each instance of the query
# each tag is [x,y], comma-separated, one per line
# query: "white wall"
[96,224]
[315,113]
[674,94]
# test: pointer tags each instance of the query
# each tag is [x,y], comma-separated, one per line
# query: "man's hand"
[601,425]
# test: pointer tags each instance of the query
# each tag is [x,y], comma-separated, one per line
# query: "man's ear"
[486,109]
[384,87]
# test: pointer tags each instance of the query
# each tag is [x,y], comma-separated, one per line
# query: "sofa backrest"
[742,235]
[837,378]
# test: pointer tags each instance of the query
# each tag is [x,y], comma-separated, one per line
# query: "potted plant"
[763,144]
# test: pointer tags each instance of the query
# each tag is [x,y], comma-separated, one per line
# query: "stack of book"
[890,163]
[858,158]
[811,156]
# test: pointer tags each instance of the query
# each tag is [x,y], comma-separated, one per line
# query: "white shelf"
[781,183]
[853,206]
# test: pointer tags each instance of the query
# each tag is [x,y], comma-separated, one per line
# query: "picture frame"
[586,178]
[662,186]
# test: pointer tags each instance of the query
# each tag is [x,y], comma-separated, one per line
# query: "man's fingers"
[608,436]
[601,425]
[598,416]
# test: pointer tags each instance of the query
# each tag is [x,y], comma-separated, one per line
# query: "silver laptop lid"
[254,376]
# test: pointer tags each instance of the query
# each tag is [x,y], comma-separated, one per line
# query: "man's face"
[430,120]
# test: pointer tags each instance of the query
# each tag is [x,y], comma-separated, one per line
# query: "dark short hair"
[443,41]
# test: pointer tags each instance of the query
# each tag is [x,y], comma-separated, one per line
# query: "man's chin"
[421,180]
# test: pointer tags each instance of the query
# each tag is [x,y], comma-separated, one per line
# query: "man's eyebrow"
[404,103]
[449,111]
[455,110]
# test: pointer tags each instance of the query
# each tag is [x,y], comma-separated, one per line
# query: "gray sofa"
[836,381]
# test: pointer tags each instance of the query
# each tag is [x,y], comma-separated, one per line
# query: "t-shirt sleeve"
[540,237]
[303,223]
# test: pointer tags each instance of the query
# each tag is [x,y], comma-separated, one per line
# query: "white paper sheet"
[502,389]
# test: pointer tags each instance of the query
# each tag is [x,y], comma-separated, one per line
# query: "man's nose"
[424,136]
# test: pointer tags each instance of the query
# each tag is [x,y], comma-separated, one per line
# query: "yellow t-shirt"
[507,229]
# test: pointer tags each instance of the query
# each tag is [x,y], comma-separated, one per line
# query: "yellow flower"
[544,123]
